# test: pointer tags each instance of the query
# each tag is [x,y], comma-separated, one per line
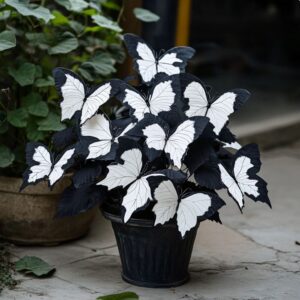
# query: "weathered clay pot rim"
[12,185]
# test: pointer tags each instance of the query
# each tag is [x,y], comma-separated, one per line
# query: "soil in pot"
[29,217]
[152,256]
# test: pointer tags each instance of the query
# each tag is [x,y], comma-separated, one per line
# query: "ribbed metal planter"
[152,256]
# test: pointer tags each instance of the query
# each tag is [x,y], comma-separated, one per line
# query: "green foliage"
[33,265]
[7,40]
[35,37]
[121,296]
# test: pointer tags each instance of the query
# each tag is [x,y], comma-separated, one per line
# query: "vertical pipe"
[183,22]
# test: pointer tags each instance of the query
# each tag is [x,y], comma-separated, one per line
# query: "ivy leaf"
[25,75]
[68,43]
[106,23]
[26,9]
[6,156]
[34,265]
[101,64]
[18,117]
[59,18]
[7,40]
[121,296]
[38,39]
[145,15]
[31,99]
[51,123]
[39,109]
[76,26]
[32,132]
[44,82]
[73,5]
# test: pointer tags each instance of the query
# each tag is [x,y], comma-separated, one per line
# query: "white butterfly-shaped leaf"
[76,96]
[167,201]
[99,127]
[128,174]
[171,62]
[41,165]
[176,144]
[160,99]
[243,178]
[57,170]
[189,209]
[217,111]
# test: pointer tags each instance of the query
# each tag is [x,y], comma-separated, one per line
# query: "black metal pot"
[152,256]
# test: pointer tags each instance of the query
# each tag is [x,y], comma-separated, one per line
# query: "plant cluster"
[83,35]
[165,154]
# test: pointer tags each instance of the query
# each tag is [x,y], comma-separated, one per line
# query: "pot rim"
[110,213]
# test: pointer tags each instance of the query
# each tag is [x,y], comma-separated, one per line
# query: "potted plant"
[157,164]
[34,38]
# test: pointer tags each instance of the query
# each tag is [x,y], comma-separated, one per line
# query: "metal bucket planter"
[29,217]
[152,256]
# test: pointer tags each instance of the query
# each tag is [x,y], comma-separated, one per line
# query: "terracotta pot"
[28,217]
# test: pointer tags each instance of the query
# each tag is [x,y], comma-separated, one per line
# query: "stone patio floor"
[251,256]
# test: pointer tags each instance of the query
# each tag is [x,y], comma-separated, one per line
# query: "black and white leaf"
[189,209]
[158,136]
[148,64]
[160,99]
[242,178]
[104,139]
[129,175]
[76,96]
[217,110]
[41,164]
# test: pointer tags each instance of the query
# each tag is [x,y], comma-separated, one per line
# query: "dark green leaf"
[145,15]
[106,23]
[25,75]
[51,123]
[44,82]
[102,64]
[38,40]
[7,40]
[68,43]
[40,109]
[73,5]
[121,296]
[117,52]
[32,132]
[31,99]
[18,117]
[76,26]
[26,9]
[34,265]
[86,74]
[6,157]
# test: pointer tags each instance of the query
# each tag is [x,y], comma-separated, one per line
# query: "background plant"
[37,36]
